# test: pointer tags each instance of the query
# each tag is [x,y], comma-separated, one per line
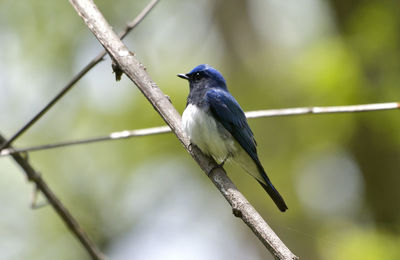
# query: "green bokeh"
[273,56]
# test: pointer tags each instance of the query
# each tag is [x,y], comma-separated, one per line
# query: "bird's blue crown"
[210,72]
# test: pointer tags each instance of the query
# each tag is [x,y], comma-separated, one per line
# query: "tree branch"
[323,110]
[64,214]
[77,77]
[137,73]
[112,136]
[250,114]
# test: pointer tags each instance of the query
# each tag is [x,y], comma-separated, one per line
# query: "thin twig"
[251,114]
[112,136]
[137,73]
[131,25]
[64,214]
[322,110]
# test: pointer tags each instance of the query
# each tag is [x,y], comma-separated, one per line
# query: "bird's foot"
[219,165]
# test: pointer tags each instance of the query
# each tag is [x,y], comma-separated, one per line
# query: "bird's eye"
[197,76]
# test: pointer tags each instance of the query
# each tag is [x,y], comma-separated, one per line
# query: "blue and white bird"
[214,122]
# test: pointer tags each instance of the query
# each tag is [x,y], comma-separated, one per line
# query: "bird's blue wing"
[227,111]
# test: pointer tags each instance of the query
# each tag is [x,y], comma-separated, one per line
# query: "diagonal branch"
[250,114]
[137,73]
[64,214]
[78,76]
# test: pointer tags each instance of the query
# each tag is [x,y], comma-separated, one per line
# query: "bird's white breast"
[207,134]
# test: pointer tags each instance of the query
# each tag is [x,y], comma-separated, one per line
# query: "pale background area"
[145,198]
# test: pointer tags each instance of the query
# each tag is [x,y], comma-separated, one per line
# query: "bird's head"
[204,76]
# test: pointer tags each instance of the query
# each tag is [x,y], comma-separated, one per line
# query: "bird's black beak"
[184,76]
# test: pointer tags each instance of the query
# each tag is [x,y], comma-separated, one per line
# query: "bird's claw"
[219,165]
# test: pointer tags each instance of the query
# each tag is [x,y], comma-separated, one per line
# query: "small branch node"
[35,195]
[169,99]
[237,212]
[117,70]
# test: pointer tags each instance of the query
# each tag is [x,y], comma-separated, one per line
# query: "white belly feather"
[204,132]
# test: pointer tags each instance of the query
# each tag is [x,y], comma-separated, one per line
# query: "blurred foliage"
[144,197]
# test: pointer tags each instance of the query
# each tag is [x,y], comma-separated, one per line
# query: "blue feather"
[228,112]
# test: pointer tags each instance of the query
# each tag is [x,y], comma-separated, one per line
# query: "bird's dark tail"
[272,192]
[251,163]
[275,196]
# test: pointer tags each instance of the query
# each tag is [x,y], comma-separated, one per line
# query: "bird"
[214,122]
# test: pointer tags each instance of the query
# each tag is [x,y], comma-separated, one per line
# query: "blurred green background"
[145,198]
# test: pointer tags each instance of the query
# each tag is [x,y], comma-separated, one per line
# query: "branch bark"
[62,211]
[137,73]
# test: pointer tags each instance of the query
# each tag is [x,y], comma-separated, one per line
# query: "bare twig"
[64,214]
[131,25]
[250,114]
[323,110]
[137,73]
[113,136]
[77,77]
